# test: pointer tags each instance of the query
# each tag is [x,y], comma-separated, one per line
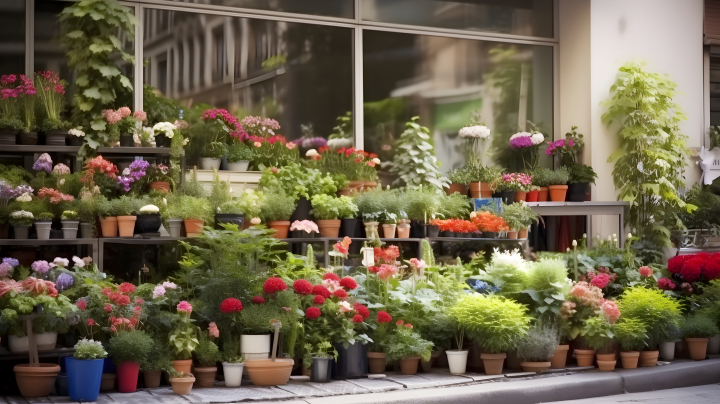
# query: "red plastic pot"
[127,376]
[532,196]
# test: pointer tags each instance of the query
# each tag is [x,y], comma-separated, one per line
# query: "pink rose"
[140,116]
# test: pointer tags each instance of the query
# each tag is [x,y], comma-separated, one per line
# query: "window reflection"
[330,8]
[443,80]
[12,36]
[518,17]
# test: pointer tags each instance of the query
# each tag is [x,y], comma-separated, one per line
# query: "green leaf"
[75,34]
[109,71]
[126,82]
[92,92]
[82,81]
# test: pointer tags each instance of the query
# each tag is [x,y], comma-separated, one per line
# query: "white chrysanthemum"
[335,144]
[26,197]
[537,138]
[166,128]
[77,132]
[376,160]
[476,132]
[640,166]
[22,214]
[311,153]
[150,209]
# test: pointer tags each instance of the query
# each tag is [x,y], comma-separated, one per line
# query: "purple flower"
[314,143]
[12,261]
[521,142]
[64,281]
[40,266]
[44,162]
[5,269]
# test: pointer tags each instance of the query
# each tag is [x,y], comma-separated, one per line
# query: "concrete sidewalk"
[696,395]
[438,387]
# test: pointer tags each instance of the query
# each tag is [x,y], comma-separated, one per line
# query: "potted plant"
[173,215]
[21,220]
[458,181]
[389,224]
[528,145]
[212,156]
[541,180]
[479,315]
[403,225]
[183,338]
[76,136]
[276,211]
[581,176]
[43,223]
[158,360]
[239,156]
[326,210]
[697,329]
[84,370]
[631,335]
[667,344]
[377,359]
[27,99]
[164,132]
[519,217]
[158,176]
[483,180]
[304,229]
[408,347]
[347,211]
[107,213]
[181,382]
[537,347]
[128,348]
[598,334]
[69,224]
[558,180]
[10,122]
[270,372]
[194,212]
[50,107]
[148,219]
[414,161]
[87,213]
[124,207]
[207,356]
[233,364]
[457,358]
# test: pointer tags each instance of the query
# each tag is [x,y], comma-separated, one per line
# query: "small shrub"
[539,345]
[131,346]
[699,326]
[207,354]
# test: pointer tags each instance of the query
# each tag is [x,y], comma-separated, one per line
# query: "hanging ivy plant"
[89,31]
[650,162]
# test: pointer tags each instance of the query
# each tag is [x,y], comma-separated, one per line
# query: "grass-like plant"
[493,322]
[561,176]
[631,334]
[277,205]
[191,207]
[541,177]
[699,326]
[657,311]
[539,344]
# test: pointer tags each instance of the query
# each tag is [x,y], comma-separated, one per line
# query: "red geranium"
[126,288]
[331,276]
[357,318]
[666,284]
[373,269]
[383,317]
[302,287]
[231,305]
[340,293]
[600,280]
[362,310]
[675,263]
[321,290]
[692,269]
[399,322]
[258,300]
[312,313]
[319,299]
[711,270]
[348,283]
[273,285]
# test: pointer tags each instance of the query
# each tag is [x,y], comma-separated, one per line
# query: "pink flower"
[184,307]
[158,291]
[290,145]
[386,272]
[408,325]
[419,264]
[600,280]
[571,143]
[90,322]
[140,116]
[108,308]
[81,304]
[257,144]
[645,271]
[58,88]
[213,330]
[611,311]
[124,112]
[331,285]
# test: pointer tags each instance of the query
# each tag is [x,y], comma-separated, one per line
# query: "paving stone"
[580,368]
[102,399]
[15,400]
[236,394]
[339,387]
[167,396]
[444,379]
[303,389]
[377,385]
[521,374]
[411,381]
[481,377]
[38,400]
[138,397]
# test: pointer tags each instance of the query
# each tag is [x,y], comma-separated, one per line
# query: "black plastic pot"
[359,229]
[30,138]
[162,141]
[432,230]
[348,227]
[234,218]
[74,140]
[126,140]
[56,234]
[351,361]
[302,234]
[8,136]
[489,234]
[447,233]
[576,192]
[417,229]
[508,197]
[321,370]
[223,163]
[148,223]
[56,137]
[302,211]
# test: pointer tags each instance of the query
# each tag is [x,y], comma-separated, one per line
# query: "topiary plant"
[699,326]
[657,311]
[493,322]
[539,344]
[415,161]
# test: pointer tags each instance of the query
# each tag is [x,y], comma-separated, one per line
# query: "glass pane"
[445,80]
[518,17]
[328,8]
[297,74]
[12,36]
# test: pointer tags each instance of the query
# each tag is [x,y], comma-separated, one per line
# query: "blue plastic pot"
[84,378]
[351,361]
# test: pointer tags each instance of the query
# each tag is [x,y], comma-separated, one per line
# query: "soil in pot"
[152,378]
[559,360]
[409,365]
[630,359]
[281,228]
[457,361]
[585,357]
[493,363]
[265,372]
[36,381]
[182,385]
[697,348]
[109,226]
[377,362]
[205,377]
[535,366]
[126,225]
[329,228]
[557,192]
[648,359]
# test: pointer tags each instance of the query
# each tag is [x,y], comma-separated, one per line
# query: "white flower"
[62,181]
[22,214]
[26,197]
[61,262]
[311,153]
[640,166]
[255,221]
[126,172]
[345,307]
[169,285]
[335,144]
[186,141]
[166,128]
[537,138]
[475,132]
[150,209]
[568,249]
[574,243]
[376,160]
[521,134]
[78,261]
[77,132]
[165,201]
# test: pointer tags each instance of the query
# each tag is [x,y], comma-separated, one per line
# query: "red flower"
[341,150]
[372,156]
[312,313]
[90,322]
[349,151]
[231,305]
[319,299]
[126,288]
[357,318]
[408,325]
[362,310]
[711,270]
[331,276]
[81,304]
[258,300]
[645,271]
[122,300]
[666,284]
[675,263]
[383,317]
[692,269]
[321,291]
[348,283]
[373,269]
[323,149]
[108,308]
[273,285]
[399,322]
[302,287]
[107,291]
[600,280]
[340,293]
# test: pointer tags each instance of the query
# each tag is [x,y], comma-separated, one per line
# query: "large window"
[330,8]
[12,36]
[444,80]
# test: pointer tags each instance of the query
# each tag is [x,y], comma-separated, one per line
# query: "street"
[706,394]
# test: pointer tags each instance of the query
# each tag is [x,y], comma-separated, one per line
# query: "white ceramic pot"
[238,166]
[457,360]
[70,228]
[45,342]
[233,374]
[174,227]
[713,347]
[43,230]
[667,351]
[255,346]
[21,232]
[208,163]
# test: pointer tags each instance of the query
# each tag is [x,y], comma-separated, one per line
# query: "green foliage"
[231,349]
[404,342]
[415,161]
[191,207]
[507,271]
[541,177]
[561,176]
[547,285]
[631,334]
[490,175]
[129,346]
[519,215]
[299,181]
[159,108]
[657,311]
[371,204]
[598,333]
[650,162]
[157,358]
[453,206]
[493,322]
[125,205]
[207,353]
[459,176]
[239,152]
[581,173]
[89,349]
[699,326]
[326,207]
[89,31]
[14,175]
[422,203]
[277,205]
[539,344]
[707,214]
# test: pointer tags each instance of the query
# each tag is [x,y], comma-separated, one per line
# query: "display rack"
[92,242]
[155,241]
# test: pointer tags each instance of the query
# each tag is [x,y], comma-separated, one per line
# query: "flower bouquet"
[528,145]
[475,136]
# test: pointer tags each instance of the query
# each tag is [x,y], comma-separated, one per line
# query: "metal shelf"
[52,241]
[134,151]
[21,148]
[6,355]
[140,241]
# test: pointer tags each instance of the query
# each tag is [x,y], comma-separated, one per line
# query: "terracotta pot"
[630,359]
[354,186]
[584,357]
[183,365]
[648,359]
[697,348]
[127,376]
[521,196]
[606,362]
[543,194]
[493,363]
[559,360]
[523,233]
[512,235]
[485,191]
[205,377]
[376,362]
[108,381]
[162,186]
[281,228]
[535,366]
[532,196]
[389,230]
[557,192]
[265,372]
[126,225]
[182,385]
[36,381]
[370,185]
[193,227]
[462,189]
[152,378]
[409,365]
[329,228]
[403,231]
[474,188]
